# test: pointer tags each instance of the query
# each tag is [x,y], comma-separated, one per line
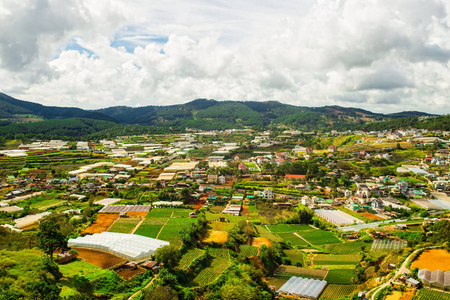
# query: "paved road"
[368,225]
[403,269]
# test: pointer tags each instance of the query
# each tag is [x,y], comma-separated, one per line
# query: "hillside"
[203,114]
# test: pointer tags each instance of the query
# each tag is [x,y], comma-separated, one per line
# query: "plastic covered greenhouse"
[129,246]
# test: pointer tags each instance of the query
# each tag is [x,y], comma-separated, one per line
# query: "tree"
[51,238]
[162,292]
[237,289]
[167,255]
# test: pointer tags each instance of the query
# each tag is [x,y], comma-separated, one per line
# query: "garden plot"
[336,259]
[188,258]
[337,291]
[124,225]
[288,227]
[102,223]
[351,247]
[337,217]
[219,253]
[381,246]
[248,251]
[340,276]
[295,256]
[293,239]
[288,271]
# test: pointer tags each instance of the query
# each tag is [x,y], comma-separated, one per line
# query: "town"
[228,214]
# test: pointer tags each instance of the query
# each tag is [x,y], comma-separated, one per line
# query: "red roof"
[295,176]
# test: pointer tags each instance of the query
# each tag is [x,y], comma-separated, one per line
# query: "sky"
[384,56]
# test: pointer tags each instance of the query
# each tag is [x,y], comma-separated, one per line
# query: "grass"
[291,237]
[124,225]
[339,276]
[320,237]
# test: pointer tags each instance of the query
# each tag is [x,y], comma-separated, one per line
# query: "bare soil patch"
[259,241]
[215,236]
[435,259]
[200,202]
[101,259]
[244,210]
[396,295]
[128,273]
[134,214]
[370,216]
[102,223]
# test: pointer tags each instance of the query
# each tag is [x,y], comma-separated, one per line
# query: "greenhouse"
[303,287]
[129,246]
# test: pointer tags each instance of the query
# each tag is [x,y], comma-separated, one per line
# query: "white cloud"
[383,56]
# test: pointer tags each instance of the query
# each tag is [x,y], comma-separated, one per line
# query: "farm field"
[160,213]
[435,259]
[247,251]
[336,259]
[219,253]
[320,237]
[189,257]
[215,236]
[384,246]
[170,231]
[221,226]
[288,271]
[263,232]
[148,230]
[392,259]
[288,227]
[291,237]
[370,216]
[277,281]
[135,214]
[339,276]
[100,259]
[102,223]
[211,273]
[415,228]
[337,291]
[295,256]
[259,241]
[351,247]
[425,294]
[124,225]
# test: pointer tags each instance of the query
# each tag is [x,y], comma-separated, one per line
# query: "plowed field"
[100,259]
[102,223]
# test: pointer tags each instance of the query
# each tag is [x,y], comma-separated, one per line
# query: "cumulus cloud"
[378,55]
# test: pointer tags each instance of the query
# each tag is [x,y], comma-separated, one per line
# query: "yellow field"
[436,259]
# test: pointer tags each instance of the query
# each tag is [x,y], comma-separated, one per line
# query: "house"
[376,204]
[363,193]
[411,282]
[402,186]
[309,150]
[131,265]
[333,148]
[222,179]
[201,188]
[64,257]
[212,178]
[233,209]
[243,167]
[192,215]
[268,194]
[151,265]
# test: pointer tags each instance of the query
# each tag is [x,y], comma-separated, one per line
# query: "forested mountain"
[10,108]
[200,114]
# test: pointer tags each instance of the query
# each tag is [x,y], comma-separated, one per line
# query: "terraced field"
[337,291]
[247,251]
[211,273]
[219,253]
[189,257]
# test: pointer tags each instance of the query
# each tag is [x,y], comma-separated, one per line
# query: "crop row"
[211,273]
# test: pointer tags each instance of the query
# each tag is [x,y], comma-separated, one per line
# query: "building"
[435,279]
[222,179]
[333,148]
[268,194]
[233,209]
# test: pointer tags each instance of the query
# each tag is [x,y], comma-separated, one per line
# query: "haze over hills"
[205,114]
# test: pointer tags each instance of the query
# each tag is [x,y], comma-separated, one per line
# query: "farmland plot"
[384,246]
[352,247]
[288,227]
[288,271]
[340,276]
[425,294]
[247,251]
[291,237]
[336,259]
[219,253]
[188,258]
[211,273]
[295,256]
[337,291]
[148,230]
[320,237]
[263,232]
[124,225]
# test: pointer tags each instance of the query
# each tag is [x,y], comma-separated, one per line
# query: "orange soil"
[200,202]
[370,216]
[137,213]
[215,236]
[244,210]
[259,241]
[436,259]
[128,273]
[101,259]
[103,222]
[408,295]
